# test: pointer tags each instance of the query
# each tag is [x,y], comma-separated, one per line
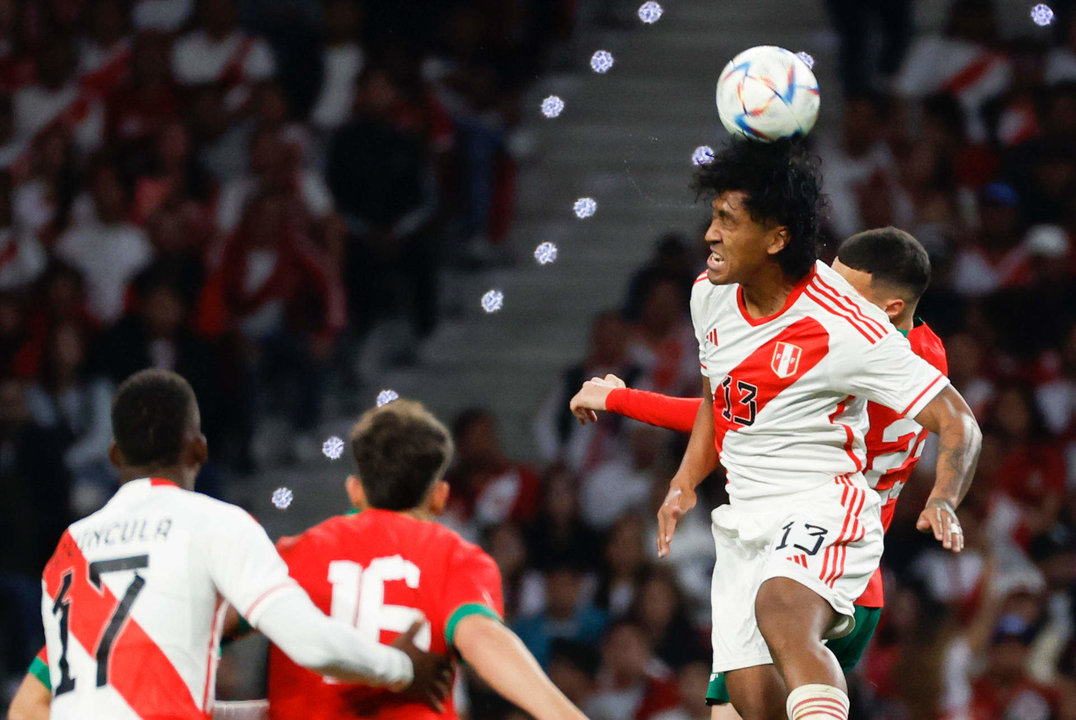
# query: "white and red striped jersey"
[134,600]
[790,390]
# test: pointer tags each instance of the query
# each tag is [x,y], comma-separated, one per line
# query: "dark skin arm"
[700,459]
[959,442]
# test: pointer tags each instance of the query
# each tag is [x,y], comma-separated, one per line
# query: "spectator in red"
[660,608]
[662,342]
[1032,469]
[139,106]
[1005,689]
[174,177]
[284,299]
[487,487]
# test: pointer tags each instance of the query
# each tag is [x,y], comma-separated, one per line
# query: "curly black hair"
[783,184]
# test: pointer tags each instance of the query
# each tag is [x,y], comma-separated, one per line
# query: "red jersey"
[380,571]
[894,443]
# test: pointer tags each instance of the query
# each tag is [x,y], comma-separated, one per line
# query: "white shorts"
[829,539]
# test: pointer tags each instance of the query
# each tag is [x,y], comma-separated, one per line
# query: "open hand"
[678,501]
[433,673]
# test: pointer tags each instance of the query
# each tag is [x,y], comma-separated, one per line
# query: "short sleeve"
[472,586]
[243,563]
[889,373]
[39,668]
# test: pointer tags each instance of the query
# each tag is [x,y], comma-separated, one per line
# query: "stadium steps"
[625,138]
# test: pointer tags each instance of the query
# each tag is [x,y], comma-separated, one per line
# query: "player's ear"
[894,307]
[438,496]
[779,239]
[115,456]
[355,493]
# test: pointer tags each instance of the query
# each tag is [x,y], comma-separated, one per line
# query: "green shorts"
[848,649]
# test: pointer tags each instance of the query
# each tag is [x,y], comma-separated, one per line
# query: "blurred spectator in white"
[106,249]
[218,51]
[22,257]
[632,683]
[41,204]
[55,99]
[663,344]
[987,670]
[1057,396]
[487,487]
[1061,60]
[1054,554]
[104,56]
[558,434]
[861,173]
[995,257]
[965,62]
[73,401]
[342,59]
[168,16]
[622,483]
[956,579]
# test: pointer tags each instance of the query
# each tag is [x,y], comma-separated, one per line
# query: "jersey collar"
[789,301]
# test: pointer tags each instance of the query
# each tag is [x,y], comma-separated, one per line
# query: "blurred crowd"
[239,191]
[242,191]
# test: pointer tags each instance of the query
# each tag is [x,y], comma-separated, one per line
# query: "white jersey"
[133,601]
[790,390]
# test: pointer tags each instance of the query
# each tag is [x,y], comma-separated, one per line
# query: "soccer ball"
[766,93]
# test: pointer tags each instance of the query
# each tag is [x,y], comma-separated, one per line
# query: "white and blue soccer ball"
[766,93]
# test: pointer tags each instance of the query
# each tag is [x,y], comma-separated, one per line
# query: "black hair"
[400,449]
[783,185]
[151,414]
[891,256]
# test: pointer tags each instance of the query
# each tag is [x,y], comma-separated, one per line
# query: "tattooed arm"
[959,441]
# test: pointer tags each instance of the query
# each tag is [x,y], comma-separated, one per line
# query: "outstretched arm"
[610,393]
[502,660]
[959,442]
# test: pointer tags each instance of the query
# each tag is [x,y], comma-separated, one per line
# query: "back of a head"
[890,256]
[783,185]
[400,450]
[151,415]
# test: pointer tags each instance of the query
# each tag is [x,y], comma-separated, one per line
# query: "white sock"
[817,702]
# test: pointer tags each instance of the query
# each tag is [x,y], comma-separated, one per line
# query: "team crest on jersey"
[786,359]
[712,336]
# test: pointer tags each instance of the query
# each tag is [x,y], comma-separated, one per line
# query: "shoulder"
[927,345]
[844,311]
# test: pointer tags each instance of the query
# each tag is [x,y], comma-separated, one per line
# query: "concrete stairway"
[625,138]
